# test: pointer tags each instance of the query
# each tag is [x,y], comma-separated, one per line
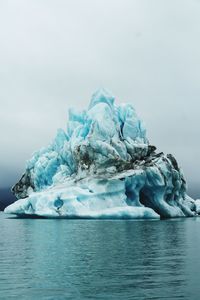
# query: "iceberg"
[102,166]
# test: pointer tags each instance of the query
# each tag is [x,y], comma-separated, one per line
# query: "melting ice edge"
[102,166]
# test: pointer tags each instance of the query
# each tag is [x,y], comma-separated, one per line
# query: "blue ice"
[102,166]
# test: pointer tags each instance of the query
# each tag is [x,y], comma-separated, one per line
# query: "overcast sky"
[55,53]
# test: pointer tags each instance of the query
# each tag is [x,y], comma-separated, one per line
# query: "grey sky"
[55,53]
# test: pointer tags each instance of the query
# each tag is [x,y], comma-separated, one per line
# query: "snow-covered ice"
[102,166]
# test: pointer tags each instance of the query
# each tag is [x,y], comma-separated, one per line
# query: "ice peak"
[102,96]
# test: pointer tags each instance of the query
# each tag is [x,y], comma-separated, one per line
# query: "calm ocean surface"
[87,259]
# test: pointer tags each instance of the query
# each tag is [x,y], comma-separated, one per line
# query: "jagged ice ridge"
[102,166]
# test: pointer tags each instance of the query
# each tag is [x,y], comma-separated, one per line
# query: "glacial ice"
[102,166]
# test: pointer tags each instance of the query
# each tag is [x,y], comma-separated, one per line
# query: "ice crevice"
[102,166]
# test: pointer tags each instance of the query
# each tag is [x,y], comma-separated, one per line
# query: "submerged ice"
[102,166]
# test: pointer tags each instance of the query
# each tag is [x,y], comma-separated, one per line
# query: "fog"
[55,54]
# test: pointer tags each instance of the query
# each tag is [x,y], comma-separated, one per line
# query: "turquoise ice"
[102,166]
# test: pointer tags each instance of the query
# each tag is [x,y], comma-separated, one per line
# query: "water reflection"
[80,259]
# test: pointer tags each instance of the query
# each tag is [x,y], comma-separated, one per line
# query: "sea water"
[99,259]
